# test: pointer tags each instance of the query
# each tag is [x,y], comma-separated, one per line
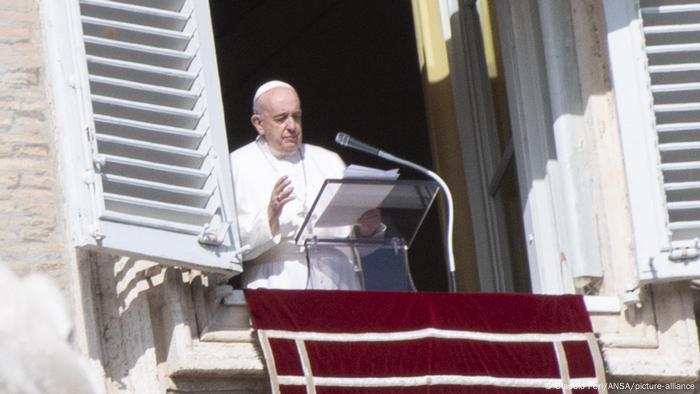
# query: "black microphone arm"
[350,142]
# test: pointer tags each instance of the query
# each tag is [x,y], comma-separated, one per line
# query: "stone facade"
[33,236]
[147,328]
[168,330]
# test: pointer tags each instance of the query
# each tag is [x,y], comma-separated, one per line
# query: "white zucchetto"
[267,86]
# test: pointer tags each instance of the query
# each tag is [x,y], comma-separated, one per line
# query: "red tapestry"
[330,342]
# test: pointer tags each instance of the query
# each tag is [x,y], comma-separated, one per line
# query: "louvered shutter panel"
[162,185]
[671,32]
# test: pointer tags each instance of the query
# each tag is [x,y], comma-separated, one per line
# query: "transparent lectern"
[339,259]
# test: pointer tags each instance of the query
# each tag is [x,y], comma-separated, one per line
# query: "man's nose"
[290,123]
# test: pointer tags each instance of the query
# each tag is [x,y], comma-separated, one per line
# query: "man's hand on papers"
[369,223]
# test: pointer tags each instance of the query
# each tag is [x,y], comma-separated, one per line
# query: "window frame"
[532,127]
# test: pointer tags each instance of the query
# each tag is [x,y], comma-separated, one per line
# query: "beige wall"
[32,234]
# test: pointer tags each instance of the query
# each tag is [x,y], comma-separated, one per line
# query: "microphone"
[350,142]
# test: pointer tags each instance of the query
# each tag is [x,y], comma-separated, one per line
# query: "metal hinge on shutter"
[89,178]
[685,253]
[214,232]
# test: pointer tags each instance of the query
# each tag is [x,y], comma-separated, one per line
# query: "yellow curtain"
[444,135]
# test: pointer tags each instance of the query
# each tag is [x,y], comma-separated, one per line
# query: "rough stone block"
[32,150]
[9,181]
[15,33]
[21,77]
[29,124]
[43,182]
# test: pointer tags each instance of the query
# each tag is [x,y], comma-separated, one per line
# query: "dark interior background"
[355,66]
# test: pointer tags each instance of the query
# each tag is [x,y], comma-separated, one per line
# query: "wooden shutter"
[672,35]
[655,67]
[160,180]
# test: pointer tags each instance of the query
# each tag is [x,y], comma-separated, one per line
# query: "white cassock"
[277,262]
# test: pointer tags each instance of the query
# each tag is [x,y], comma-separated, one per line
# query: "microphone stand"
[450,212]
[350,142]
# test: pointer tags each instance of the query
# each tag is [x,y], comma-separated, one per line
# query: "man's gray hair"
[266,87]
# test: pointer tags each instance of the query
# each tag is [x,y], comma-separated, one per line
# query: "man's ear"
[256,121]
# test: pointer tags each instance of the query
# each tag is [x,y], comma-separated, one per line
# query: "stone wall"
[32,235]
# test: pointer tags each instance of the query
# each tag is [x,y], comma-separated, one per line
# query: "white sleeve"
[251,206]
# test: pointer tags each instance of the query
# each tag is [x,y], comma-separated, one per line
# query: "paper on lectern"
[343,204]
[355,171]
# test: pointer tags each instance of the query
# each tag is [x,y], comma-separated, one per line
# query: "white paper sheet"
[343,204]
[356,171]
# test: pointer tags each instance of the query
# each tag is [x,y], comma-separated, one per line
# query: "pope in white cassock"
[276,178]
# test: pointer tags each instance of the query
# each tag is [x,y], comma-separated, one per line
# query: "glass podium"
[339,259]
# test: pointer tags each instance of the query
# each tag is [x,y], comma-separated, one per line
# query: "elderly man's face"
[279,119]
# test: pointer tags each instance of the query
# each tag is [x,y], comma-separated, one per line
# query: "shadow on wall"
[35,331]
[126,289]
